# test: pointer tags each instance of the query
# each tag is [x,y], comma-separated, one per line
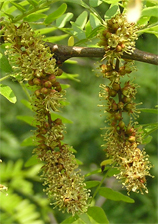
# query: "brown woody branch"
[62,53]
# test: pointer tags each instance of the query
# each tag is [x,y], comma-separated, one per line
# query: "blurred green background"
[85,134]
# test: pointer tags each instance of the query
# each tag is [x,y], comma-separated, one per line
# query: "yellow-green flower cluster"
[122,137]
[63,181]
[118,36]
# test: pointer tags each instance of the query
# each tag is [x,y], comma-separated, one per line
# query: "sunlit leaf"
[34,17]
[95,3]
[62,20]
[45,30]
[33,2]
[55,39]
[152,30]
[77,31]
[150,11]
[56,14]
[88,28]
[82,19]
[8,93]
[70,41]
[111,1]
[18,6]
[94,21]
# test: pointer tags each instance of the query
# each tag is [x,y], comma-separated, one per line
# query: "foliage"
[56,20]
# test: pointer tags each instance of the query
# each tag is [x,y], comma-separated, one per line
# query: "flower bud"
[30,82]
[121,124]
[48,84]
[120,105]
[116,86]
[118,116]
[112,92]
[132,138]
[59,73]
[37,81]
[52,79]
[44,91]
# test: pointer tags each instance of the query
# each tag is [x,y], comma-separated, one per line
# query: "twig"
[63,53]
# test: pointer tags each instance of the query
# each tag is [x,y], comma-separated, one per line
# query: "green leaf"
[150,11]
[112,171]
[26,103]
[82,19]
[93,172]
[152,30]
[53,16]
[111,1]
[114,195]
[33,160]
[27,119]
[55,39]
[153,2]
[148,110]
[33,2]
[62,20]
[70,220]
[94,21]
[111,11]
[95,3]
[29,141]
[8,93]
[77,31]
[64,120]
[92,183]
[149,128]
[19,7]
[80,2]
[4,65]
[95,32]
[85,218]
[69,76]
[147,140]
[45,30]
[97,214]
[88,28]
[34,17]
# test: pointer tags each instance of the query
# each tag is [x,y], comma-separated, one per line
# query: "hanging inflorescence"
[63,182]
[123,136]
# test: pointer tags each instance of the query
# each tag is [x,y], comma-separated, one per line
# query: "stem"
[5,77]
[101,182]
[25,90]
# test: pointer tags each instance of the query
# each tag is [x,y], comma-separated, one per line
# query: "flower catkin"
[63,182]
[122,137]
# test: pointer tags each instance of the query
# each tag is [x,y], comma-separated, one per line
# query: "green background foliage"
[58,21]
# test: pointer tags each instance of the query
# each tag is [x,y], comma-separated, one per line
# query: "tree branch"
[62,53]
